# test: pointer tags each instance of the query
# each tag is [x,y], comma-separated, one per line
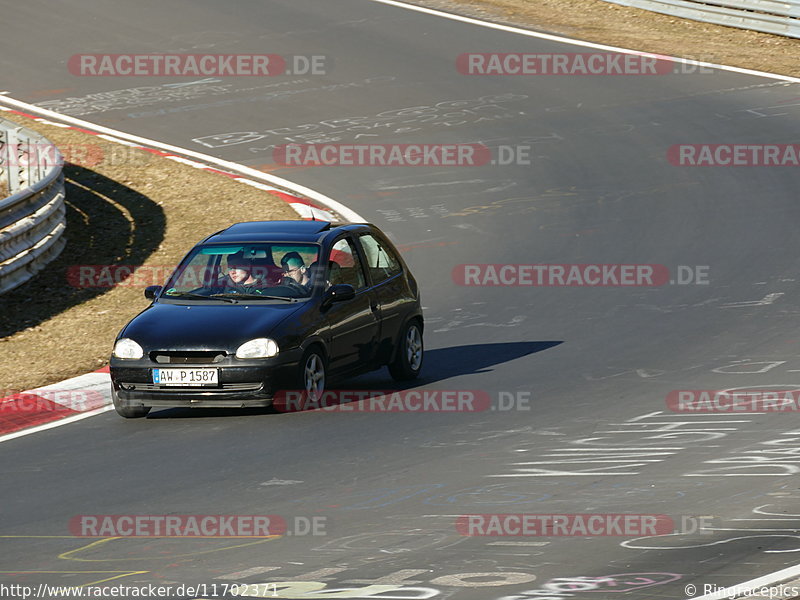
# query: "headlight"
[127,348]
[258,348]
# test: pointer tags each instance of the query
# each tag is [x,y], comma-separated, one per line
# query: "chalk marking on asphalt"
[751,529]
[787,517]
[69,554]
[330,203]
[120,573]
[572,42]
[435,183]
[618,449]
[112,578]
[562,474]
[517,543]
[247,573]
[765,301]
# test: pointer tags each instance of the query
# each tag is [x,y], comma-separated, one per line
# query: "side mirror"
[338,293]
[151,291]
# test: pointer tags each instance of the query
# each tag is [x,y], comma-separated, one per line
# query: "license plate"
[184,377]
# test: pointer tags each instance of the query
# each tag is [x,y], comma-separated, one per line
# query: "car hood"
[203,327]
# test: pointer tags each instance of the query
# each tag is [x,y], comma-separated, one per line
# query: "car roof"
[285,231]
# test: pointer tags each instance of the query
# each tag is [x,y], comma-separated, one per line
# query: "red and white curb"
[46,407]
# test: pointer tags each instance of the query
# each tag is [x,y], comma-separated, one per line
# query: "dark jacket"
[230,287]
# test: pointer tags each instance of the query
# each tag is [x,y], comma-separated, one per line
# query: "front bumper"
[242,383]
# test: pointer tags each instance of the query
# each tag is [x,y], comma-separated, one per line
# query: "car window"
[344,265]
[268,269]
[307,253]
[381,261]
[197,273]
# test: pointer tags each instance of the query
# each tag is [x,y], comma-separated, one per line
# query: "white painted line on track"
[110,138]
[338,207]
[565,40]
[53,424]
[737,591]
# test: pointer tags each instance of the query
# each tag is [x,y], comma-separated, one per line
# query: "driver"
[240,279]
[295,273]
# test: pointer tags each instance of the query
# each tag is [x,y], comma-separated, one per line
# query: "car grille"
[187,358]
[224,387]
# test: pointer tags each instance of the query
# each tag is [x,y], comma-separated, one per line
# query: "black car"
[267,306]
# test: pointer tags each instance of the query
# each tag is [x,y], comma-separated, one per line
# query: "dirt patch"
[124,207]
[633,28]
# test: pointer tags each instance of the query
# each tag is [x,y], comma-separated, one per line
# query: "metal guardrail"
[781,17]
[33,217]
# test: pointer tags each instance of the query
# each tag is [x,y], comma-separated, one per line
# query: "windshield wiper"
[200,296]
[256,296]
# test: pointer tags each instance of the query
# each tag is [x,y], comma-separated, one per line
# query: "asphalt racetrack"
[580,375]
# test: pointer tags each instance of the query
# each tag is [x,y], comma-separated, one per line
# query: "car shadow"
[445,363]
[440,364]
[107,224]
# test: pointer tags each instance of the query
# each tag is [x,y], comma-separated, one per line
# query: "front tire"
[129,412]
[408,360]
[312,376]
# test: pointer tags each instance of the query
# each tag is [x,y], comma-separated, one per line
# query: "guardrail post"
[12,151]
[3,157]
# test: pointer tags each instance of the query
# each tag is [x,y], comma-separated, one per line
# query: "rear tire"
[129,412]
[408,360]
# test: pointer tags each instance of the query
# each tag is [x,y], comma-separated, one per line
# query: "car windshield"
[250,271]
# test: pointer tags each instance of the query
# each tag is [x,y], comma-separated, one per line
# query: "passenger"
[240,279]
[295,272]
